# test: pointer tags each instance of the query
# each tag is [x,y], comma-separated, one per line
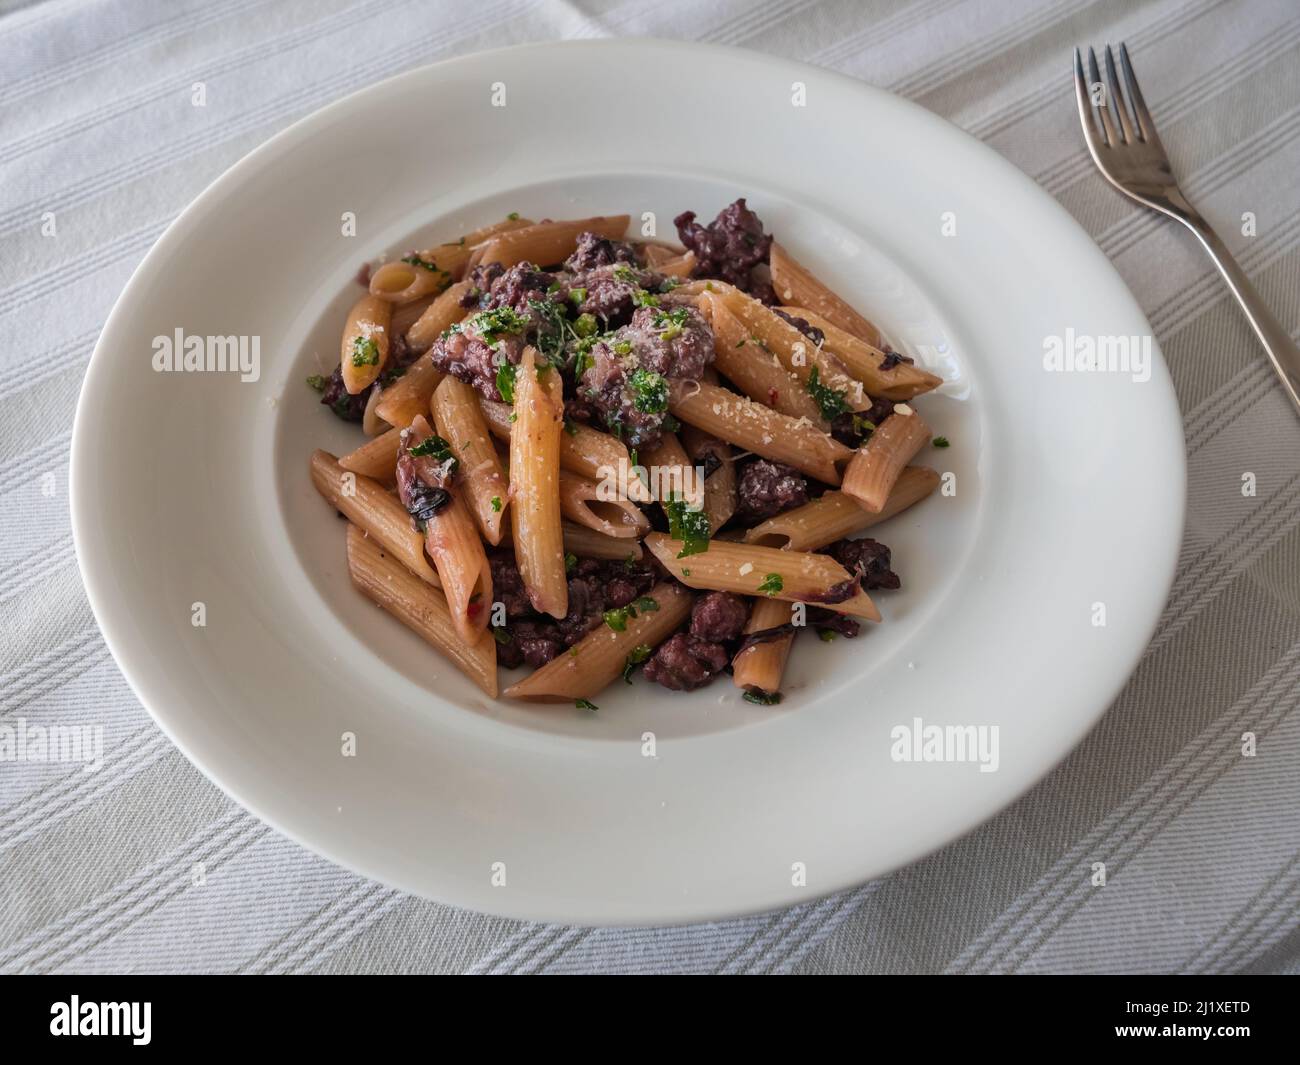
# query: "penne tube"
[442,314]
[408,397]
[535,485]
[753,369]
[364,349]
[427,272]
[795,576]
[548,243]
[416,277]
[379,514]
[598,659]
[654,254]
[672,474]
[583,450]
[459,420]
[799,355]
[795,284]
[871,476]
[588,543]
[719,483]
[678,266]
[422,609]
[452,542]
[371,423]
[376,459]
[580,502]
[834,515]
[408,314]
[902,381]
[757,428]
[758,667]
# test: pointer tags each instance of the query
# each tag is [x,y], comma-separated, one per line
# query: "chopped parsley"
[646,604]
[513,216]
[826,635]
[570,561]
[577,295]
[772,584]
[635,657]
[762,698]
[623,272]
[506,381]
[691,527]
[862,426]
[616,619]
[622,347]
[586,325]
[423,264]
[496,504]
[317,382]
[585,704]
[650,391]
[365,352]
[671,322]
[501,634]
[829,400]
[493,324]
[438,448]
[570,427]
[642,298]
[940,441]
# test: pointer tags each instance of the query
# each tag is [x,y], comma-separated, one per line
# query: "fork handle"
[1282,350]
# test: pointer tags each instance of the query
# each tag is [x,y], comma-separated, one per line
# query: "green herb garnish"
[570,561]
[772,584]
[496,504]
[365,352]
[585,704]
[691,527]
[635,657]
[506,381]
[493,324]
[646,604]
[762,698]
[501,634]
[317,382]
[616,619]
[671,322]
[435,446]
[940,441]
[829,400]
[650,391]
[423,264]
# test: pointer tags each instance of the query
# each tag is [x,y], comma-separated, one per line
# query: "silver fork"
[1122,140]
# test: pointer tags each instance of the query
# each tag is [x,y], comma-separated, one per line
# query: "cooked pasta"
[540,397]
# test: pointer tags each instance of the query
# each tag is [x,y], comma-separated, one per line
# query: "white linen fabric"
[1200,843]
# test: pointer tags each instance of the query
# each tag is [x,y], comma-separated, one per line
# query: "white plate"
[193,488]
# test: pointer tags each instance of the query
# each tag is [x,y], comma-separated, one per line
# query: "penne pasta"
[719,483]
[834,515]
[674,473]
[588,543]
[655,254]
[371,423]
[900,382]
[795,284]
[535,485]
[870,477]
[429,271]
[757,428]
[548,243]
[580,502]
[408,314]
[442,314]
[380,515]
[753,369]
[421,608]
[408,396]
[452,543]
[459,420]
[820,374]
[364,349]
[583,450]
[376,459]
[745,569]
[758,667]
[598,659]
[679,266]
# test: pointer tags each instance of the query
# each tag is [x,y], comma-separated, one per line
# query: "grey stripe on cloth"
[144,866]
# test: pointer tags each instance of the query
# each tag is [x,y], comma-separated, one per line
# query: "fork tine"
[1146,127]
[1087,114]
[1102,112]
[1116,100]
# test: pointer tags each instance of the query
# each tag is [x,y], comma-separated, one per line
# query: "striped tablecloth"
[100,148]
